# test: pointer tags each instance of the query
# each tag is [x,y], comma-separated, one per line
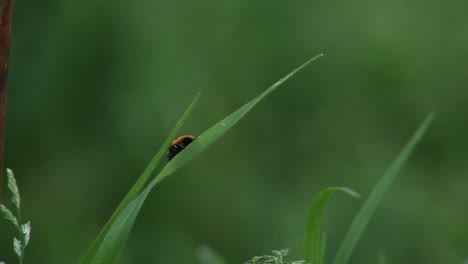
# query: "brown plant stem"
[5,30]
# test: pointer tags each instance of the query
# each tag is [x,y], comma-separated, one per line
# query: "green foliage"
[111,239]
[276,258]
[314,246]
[95,87]
[375,197]
[314,243]
[113,236]
[8,215]
[128,199]
[24,230]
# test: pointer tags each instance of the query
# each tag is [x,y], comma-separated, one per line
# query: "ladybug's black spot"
[177,148]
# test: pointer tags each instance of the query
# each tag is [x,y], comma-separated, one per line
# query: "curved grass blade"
[216,131]
[139,184]
[112,240]
[314,247]
[375,197]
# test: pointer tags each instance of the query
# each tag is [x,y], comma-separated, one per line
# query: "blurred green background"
[96,86]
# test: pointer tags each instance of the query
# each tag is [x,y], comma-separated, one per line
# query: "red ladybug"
[178,145]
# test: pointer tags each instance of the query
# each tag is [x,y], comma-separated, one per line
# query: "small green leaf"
[15,198]
[17,247]
[313,246]
[26,229]
[375,197]
[8,215]
[278,257]
[323,245]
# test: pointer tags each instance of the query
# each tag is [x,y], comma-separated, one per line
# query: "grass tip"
[432,114]
[352,193]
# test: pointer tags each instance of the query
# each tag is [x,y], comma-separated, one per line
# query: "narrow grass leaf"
[216,131]
[375,197]
[323,245]
[112,239]
[115,238]
[313,245]
[139,184]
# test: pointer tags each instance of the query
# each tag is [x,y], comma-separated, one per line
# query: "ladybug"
[178,145]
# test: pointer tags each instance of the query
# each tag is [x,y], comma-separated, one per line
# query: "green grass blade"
[323,248]
[139,184]
[216,131]
[161,153]
[114,239]
[375,197]
[313,247]
[111,240]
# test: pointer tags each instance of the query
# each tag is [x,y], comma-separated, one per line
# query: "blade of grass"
[375,197]
[140,183]
[114,239]
[323,248]
[313,246]
[216,131]
[108,248]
